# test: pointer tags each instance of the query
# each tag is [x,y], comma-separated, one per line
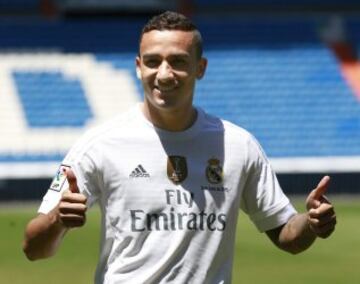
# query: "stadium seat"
[274,77]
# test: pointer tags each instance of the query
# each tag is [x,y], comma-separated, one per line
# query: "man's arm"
[302,229]
[44,233]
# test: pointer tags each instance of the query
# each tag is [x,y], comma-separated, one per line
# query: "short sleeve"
[262,197]
[82,161]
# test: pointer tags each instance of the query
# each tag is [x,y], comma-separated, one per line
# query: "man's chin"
[165,105]
[165,97]
[165,102]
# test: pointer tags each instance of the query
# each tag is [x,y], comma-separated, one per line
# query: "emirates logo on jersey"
[214,171]
[177,169]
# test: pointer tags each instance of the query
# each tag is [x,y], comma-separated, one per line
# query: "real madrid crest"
[177,169]
[214,171]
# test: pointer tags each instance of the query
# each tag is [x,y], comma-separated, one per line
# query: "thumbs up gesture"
[321,213]
[72,205]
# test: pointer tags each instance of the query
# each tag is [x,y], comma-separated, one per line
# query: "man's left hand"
[321,213]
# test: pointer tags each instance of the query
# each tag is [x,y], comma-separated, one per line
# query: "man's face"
[168,67]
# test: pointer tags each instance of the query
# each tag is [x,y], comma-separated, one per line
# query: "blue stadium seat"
[274,77]
[19,5]
[276,3]
[50,100]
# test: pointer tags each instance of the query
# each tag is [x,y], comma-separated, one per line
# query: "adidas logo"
[139,172]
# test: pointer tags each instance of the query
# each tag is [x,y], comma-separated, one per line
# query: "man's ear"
[138,70]
[201,68]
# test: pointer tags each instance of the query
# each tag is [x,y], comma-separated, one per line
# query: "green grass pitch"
[331,261]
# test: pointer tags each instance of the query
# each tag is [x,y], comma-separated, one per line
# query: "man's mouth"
[165,89]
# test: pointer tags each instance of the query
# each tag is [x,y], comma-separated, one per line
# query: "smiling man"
[170,179]
[169,63]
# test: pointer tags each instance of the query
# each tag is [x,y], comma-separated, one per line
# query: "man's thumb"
[70,176]
[321,188]
[316,197]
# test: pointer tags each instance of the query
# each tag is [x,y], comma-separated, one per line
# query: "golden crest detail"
[177,169]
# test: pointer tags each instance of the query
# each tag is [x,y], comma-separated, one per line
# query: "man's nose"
[165,72]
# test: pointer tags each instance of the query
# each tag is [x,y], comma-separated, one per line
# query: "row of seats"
[49,99]
[278,80]
[19,5]
[325,4]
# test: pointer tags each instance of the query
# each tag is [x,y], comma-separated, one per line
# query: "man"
[170,178]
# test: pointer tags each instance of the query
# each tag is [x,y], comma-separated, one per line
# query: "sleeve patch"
[59,179]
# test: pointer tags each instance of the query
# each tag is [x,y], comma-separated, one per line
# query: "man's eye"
[152,63]
[178,62]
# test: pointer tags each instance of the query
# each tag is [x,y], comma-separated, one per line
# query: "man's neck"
[172,120]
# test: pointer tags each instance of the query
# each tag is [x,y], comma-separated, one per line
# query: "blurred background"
[288,71]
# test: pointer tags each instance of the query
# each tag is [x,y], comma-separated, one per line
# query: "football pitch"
[332,261]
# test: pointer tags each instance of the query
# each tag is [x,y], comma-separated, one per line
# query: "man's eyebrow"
[150,55]
[182,55]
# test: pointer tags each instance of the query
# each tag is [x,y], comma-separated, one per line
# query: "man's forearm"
[43,235]
[302,229]
[296,236]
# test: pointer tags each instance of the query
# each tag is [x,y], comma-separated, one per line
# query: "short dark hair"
[174,21]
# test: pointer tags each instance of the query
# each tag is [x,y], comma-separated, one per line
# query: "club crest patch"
[214,171]
[177,169]
[59,179]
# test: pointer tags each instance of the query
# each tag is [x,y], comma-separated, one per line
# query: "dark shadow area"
[341,183]
[23,189]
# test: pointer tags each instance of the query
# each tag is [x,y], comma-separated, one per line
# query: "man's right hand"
[44,233]
[71,209]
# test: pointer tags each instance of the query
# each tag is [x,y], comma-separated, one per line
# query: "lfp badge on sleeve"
[59,179]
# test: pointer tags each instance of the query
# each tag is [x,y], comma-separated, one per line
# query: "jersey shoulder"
[228,127]
[236,135]
[109,129]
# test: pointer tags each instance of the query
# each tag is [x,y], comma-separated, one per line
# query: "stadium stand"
[324,4]
[274,5]
[49,99]
[274,76]
[19,4]
[20,7]
[72,111]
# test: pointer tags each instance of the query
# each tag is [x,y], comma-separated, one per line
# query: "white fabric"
[155,231]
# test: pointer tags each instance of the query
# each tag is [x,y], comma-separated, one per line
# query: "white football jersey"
[170,200]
